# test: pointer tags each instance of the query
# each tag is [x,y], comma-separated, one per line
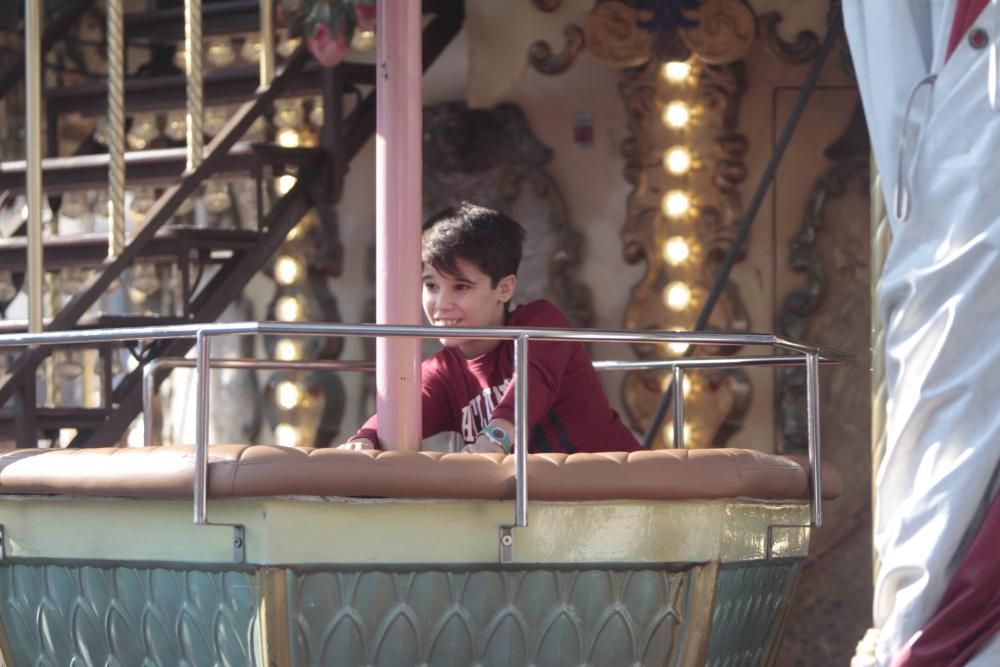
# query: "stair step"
[149,167]
[218,18]
[166,93]
[51,420]
[91,250]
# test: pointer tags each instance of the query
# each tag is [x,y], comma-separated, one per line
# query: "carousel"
[190,547]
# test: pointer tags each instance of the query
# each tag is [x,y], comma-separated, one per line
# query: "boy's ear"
[506,287]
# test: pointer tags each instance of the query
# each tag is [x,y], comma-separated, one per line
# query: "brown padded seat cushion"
[265,470]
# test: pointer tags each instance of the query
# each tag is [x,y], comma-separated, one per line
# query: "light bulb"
[678,348]
[677,295]
[220,53]
[676,114]
[216,196]
[668,433]
[288,137]
[287,394]
[215,119]
[176,127]
[363,40]
[288,349]
[677,160]
[676,71]
[142,131]
[286,435]
[676,250]
[287,113]
[675,204]
[286,47]
[286,270]
[316,113]
[668,380]
[250,51]
[285,183]
[288,309]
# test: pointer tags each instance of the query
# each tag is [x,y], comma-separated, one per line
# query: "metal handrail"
[203,333]
[150,370]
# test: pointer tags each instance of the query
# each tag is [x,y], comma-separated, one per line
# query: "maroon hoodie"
[567,408]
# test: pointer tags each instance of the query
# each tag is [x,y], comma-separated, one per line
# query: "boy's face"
[466,299]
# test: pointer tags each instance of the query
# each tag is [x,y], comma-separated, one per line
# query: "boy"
[470,259]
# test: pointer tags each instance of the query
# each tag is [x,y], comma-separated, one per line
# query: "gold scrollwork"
[724,33]
[693,152]
[541,57]
[802,50]
[614,36]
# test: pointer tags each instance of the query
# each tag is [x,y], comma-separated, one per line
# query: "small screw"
[506,540]
[238,542]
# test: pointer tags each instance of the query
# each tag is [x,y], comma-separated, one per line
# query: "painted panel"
[498,616]
[63,615]
[751,600]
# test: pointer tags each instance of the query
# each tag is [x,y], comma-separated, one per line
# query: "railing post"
[678,385]
[148,389]
[202,351]
[812,417]
[521,427]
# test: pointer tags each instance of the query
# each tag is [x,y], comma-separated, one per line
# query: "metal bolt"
[506,540]
[238,542]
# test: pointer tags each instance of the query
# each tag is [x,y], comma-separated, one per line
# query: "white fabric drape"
[939,298]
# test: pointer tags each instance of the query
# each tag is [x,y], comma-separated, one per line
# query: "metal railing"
[153,367]
[809,355]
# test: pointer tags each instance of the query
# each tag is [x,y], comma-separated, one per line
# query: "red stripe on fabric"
[966,13]
[969,613]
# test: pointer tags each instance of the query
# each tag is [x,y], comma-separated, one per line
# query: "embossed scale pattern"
[62,616]
[492,617]
[748,605]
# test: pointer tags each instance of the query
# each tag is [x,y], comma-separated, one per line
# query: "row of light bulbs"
[678,250]
[289,270]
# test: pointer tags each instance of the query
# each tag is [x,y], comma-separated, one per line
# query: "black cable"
[746,222]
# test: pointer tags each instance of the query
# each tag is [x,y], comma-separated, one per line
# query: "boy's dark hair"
[487,238]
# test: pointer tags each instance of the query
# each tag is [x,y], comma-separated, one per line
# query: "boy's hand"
[482,445]
[357,445]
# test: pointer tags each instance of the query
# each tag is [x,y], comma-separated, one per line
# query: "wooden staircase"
[239,254]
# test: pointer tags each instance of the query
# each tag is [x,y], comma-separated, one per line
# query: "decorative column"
[397,219]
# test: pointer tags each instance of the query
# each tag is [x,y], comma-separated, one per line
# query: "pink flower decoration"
[325,47]
[366,16]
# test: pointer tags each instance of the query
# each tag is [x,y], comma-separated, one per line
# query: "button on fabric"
[978,38]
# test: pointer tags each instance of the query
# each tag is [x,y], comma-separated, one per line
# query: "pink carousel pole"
[398,213]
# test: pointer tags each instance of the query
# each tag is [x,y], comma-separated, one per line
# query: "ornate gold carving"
[711,95]
[802,50]
[724,32]
[542,58]
[805,307]
[613,35]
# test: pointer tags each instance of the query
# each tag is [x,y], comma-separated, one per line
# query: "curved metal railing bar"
[811,356]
